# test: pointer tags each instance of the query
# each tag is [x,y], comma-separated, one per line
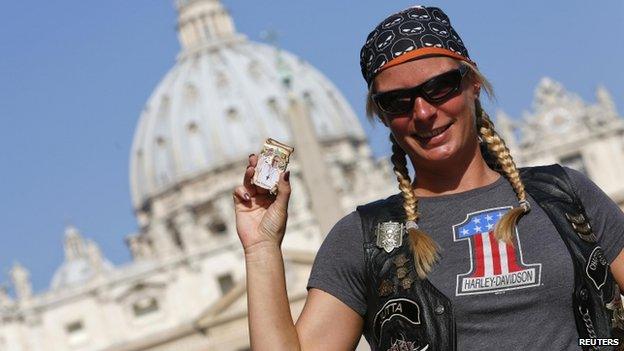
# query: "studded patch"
[407,282]
[401,272]
[386,288]
[400,260]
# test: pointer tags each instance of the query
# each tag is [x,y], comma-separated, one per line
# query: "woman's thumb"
[283,190]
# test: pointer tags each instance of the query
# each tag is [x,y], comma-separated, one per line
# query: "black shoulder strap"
[553,191]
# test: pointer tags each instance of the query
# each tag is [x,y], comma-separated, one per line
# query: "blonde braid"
[507,167]
[423,247]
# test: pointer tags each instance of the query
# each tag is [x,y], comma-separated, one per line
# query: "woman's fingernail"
[246,196]
[287,176]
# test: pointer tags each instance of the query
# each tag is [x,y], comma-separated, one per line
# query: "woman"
[472,255]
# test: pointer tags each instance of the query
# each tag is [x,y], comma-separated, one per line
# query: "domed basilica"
[185,287]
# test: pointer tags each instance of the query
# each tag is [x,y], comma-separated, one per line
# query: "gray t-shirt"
[503,298]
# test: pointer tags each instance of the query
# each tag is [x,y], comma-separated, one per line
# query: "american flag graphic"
[495,265]
[490,256]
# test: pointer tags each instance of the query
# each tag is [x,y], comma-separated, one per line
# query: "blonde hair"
[495,153]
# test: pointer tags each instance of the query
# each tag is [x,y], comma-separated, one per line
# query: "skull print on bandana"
[411,28]
[384,39]
[402,46]
[408,31]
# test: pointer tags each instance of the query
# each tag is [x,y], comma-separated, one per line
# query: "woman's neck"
[458,177]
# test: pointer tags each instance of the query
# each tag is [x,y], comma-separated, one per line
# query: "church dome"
[223,97]
[83,261]
[75,272]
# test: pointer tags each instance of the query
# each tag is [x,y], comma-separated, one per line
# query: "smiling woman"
[466,250]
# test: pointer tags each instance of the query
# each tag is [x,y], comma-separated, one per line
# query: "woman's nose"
[422,109]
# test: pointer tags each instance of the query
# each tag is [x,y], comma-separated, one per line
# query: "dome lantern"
[203,22]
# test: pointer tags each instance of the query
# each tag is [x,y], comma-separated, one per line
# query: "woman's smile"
[433,137]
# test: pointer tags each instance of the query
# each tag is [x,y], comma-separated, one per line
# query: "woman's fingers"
[249,172]
[241,195]
[253,160]
[283,190]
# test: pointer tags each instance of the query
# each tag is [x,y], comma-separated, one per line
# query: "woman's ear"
[476,85]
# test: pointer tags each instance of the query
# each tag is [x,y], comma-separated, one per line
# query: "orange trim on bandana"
[423,52]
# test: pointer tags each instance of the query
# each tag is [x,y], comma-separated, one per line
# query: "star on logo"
[488,218]
[477,220]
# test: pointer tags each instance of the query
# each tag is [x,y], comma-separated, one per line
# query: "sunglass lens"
[442,87]
[394,103]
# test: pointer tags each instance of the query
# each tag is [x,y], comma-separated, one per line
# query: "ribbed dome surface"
[217,105]
[75,272]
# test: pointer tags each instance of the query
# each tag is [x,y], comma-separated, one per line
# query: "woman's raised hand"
[260,216]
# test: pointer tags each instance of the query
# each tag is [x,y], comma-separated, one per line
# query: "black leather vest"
[407,313]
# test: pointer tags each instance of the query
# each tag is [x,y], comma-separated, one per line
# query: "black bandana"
[415,32]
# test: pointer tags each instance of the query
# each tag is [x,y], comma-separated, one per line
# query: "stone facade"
[184,288]
[564,129]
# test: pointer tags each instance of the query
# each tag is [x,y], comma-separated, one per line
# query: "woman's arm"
[325,323]
[617,269]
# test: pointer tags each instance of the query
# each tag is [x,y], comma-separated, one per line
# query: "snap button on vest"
[439,309]
[584,294]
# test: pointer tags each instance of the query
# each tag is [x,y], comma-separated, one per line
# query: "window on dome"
[272,104]
[232,114]
[575,162]
[274,108]
[76,333]
[226,283]
[145,306]
[191,93]
[192,127]
[307,98]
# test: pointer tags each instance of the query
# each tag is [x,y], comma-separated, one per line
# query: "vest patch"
[494,265]
[400,310]
[597,267]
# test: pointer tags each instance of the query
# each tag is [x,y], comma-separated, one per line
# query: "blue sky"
[74,76]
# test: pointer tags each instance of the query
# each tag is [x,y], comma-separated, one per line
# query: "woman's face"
[453,117]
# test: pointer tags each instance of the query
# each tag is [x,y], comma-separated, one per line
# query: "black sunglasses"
[435,91]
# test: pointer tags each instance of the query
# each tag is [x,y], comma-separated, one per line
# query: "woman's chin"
[441,154]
